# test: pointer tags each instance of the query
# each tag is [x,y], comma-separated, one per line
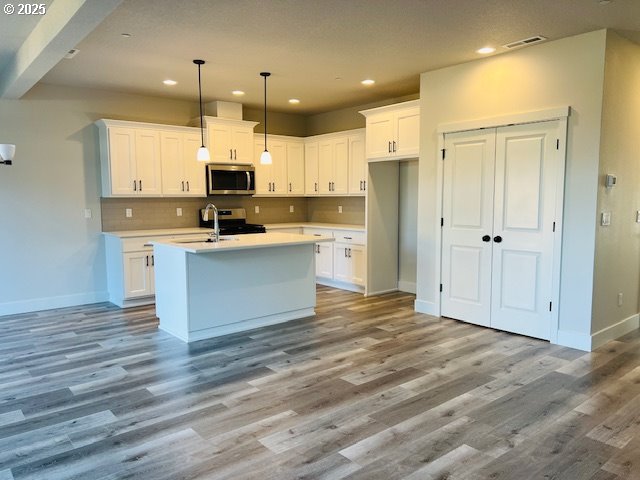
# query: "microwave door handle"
[248,181]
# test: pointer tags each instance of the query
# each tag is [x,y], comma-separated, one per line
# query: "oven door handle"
[248,181]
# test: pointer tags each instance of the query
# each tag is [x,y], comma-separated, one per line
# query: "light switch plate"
[605,219]
[87,213]
[128,212]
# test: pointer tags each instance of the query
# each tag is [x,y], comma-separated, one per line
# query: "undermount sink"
[206,240]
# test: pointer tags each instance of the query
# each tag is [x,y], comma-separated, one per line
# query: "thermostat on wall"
[610,180]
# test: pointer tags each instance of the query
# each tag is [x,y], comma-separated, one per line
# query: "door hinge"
[550,305]
[557,144]
[441,221]
[440,287]
[554,226]
[443,153]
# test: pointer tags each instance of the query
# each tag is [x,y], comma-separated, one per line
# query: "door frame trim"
[559,113]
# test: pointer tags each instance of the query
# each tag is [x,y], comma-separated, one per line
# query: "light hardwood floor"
[368,389]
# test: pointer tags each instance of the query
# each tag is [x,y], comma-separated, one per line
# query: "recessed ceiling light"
[237,93]
[368,81]
[294,101]
[126,35]
[486,50]
[169,82]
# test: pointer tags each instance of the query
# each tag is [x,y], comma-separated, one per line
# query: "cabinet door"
[325,167]
[341,263]
[407,135]
[311,169]
[357,256]
[148,163]
[194,171]
[357,165]
[380,133]
[295,168]
[171,155]
[324,260]
[278,168]
[136,275]
[122,161]
[242,144]
[263,172]
[340,166]
[219,145]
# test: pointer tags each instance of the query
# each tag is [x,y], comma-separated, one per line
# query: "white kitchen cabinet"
[285,175]
[357,165]
[229,140]
[349,263]
[311,186]
[138,274]
[131,267]
[324,260]
[295,168]
[333,165]
[393,131]
[182,174]
[130,160]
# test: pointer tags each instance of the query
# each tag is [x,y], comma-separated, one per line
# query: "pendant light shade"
[265,158]
[203,152]
[7,151]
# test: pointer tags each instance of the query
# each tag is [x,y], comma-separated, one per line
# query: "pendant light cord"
[265,75]
[200,96]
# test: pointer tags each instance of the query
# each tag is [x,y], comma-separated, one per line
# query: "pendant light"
[7,151]
[265,158]
[203,152]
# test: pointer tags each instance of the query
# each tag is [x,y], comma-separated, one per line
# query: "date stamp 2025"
[25,8]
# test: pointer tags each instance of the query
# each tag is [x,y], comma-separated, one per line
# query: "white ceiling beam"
[64,25]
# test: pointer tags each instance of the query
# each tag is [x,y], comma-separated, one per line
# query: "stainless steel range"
[232,221]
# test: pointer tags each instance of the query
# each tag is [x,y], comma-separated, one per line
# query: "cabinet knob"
[497,239]
[486,238]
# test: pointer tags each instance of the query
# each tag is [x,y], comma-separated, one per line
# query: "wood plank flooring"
[367,389]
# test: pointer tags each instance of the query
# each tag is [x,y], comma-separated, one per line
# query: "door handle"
[486,238]
[497,239]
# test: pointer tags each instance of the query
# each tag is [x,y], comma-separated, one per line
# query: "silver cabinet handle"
[248,181]
[230,154]
[389,147]
[394,145]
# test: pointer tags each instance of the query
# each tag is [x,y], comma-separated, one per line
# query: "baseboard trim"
[589,343]
[380,292]
[409,287]
[48,303]
[615,331]
[430,308]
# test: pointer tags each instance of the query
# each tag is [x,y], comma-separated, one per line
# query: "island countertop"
[241,242]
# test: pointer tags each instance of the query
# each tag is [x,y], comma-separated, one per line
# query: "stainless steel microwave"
[231,179]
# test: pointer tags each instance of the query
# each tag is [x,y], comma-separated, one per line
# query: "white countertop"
[159,232]
[241,242]
[332,226]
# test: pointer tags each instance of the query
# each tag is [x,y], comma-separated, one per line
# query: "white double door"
[499,207]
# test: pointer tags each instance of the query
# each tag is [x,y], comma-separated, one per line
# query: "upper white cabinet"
[182,174]
[393,131]
[130,160]
[285,175]
[146,159]
[357,165]
[311,186]
[333,166]
[229,140]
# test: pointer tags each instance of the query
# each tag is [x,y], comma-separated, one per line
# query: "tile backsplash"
[152,213]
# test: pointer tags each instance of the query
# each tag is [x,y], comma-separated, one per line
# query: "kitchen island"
[207,289]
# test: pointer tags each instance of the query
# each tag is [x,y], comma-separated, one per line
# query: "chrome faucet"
[215,235]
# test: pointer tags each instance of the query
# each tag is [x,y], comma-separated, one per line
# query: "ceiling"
[317,50]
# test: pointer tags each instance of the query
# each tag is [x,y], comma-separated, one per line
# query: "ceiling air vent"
[72,53]
[526,41]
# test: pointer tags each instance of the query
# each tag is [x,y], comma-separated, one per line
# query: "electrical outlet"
[256,209]
[620,299]
[605,219]
[87,213]
[339,208]
[128,212]
[178,212]
[290,208]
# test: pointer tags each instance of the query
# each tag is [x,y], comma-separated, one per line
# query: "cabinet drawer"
[350,236]
[137,244]
[318,232]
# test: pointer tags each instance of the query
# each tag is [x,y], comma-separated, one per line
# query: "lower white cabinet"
[130,268]
[349,263]
[324,260]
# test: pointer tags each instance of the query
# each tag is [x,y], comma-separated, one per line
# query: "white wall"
[407,225]
[50,255]
[564,72]
[617,259]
